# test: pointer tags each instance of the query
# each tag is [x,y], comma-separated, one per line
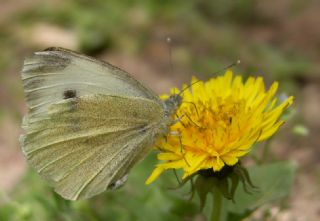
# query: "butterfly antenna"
[169,42]
[223,69]
[197,81]
[227,67]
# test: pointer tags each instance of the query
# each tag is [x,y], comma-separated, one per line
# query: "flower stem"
[217,206]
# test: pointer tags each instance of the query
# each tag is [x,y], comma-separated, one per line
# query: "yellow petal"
[154,175]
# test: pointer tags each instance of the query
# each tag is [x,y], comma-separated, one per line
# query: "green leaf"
[274,182]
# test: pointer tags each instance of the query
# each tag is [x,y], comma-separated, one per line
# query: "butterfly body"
[88,122]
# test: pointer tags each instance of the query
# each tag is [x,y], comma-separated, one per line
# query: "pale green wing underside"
[48,74]
[86,144]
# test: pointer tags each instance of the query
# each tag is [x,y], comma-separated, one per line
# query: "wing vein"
[63,140]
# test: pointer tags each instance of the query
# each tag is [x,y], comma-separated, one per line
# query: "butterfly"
[88,122]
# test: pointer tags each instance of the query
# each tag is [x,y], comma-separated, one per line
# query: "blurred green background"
[279,40]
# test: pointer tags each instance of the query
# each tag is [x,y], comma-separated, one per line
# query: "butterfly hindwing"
[85,144]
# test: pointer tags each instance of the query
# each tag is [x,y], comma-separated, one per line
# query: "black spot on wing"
[69,94]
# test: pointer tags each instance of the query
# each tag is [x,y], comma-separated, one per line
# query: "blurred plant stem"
[217,213]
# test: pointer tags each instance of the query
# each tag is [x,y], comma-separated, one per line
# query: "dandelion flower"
[220,121]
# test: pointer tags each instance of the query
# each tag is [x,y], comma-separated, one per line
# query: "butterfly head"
[172,104]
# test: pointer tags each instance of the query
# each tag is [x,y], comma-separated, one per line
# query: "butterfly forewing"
[49,76]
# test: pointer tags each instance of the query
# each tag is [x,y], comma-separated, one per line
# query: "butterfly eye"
[69,94]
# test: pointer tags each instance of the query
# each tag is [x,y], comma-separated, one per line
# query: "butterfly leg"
[177,134]
[179,118]
[176,175]
[189,118]
[194,105]
[159,148]
[194,123]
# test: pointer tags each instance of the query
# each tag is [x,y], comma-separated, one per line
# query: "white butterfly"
[88,122]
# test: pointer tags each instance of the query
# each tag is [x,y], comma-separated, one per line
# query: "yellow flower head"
[220,120]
